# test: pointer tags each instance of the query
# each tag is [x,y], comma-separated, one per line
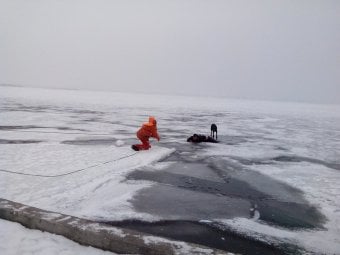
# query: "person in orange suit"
[145,132]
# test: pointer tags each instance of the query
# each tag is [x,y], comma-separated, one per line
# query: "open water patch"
[207,235]
[179,196]
[226,186]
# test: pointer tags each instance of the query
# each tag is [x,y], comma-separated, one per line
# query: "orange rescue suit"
[145,132]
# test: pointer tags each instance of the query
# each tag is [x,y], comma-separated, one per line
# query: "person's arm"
[155,133]
[157,136]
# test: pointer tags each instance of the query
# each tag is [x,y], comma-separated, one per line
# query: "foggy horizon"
[258,50]
[170,94]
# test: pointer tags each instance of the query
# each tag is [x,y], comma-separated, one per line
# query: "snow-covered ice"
[56,132]
[16,239]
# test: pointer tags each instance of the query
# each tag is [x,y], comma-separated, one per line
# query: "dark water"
[204,234]
[196,188]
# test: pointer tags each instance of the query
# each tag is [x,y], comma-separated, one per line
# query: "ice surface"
[53,132]
[97,191]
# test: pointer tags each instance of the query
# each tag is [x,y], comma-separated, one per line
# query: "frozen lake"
[270,186]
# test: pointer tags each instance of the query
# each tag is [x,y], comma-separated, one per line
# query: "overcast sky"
[255,49]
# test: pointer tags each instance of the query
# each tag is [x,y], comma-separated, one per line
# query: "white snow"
[16,239]
[61,119]
[120,143]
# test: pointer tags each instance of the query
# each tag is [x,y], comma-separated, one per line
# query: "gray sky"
[276,50]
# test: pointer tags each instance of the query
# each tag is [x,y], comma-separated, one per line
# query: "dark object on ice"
[135,147]
[213,130]
[201,138]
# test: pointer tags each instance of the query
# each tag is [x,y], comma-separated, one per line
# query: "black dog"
[213,129]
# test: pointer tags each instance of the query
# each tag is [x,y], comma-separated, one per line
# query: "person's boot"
[135,147]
